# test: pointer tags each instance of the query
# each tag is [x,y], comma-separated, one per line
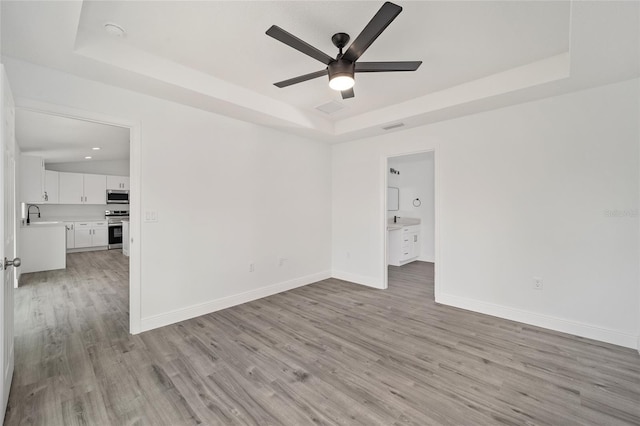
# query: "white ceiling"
[64,140]
[214,55]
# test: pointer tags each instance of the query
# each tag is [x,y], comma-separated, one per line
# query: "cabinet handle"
[46,196]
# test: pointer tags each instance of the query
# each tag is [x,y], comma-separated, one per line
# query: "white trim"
[135,256]
[359,279]
[172,317]
[615,337]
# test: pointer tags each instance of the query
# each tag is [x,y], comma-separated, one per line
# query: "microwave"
[117,196]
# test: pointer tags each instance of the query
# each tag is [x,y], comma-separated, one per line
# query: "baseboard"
[545,321]
[357,279]
[80,250]
[172,317]
[429,259]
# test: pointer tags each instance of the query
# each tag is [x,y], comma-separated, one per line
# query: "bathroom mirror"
[393,198]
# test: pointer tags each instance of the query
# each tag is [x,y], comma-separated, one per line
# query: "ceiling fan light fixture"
[341,82]
[341,75]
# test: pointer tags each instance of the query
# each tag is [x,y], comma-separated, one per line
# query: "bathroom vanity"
[403,241]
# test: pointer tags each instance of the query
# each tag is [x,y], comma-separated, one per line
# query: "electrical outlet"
[348,255]
[537,283]
[281,261]
[252,267]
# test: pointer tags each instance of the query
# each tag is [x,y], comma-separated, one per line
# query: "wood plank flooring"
[329,353]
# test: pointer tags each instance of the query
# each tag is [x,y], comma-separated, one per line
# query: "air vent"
[330,107]
[393,126]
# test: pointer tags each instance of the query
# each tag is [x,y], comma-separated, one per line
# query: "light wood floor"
[328,353]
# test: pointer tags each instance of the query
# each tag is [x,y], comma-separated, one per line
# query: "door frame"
[384,167]
[135,173]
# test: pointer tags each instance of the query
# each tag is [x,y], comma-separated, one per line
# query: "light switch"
[150,216]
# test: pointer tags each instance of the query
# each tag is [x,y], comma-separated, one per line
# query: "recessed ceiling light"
[114,29]
[96,148]
[88,157]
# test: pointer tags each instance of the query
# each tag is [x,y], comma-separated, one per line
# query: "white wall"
[522,191]
[108,167]
[416,180]
[227,194]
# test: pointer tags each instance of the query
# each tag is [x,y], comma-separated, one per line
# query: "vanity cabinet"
[404,245]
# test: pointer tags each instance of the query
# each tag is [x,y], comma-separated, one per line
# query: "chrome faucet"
[29,212]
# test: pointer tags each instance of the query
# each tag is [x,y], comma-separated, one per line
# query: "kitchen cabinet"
[71,188]
[91,234]
[404,245]
[42,247]
[51,186]
[118,182]
[71,235]
[77,188]
[95,189]
[31,179]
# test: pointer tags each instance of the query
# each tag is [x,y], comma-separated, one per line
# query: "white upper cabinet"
[71,188]
[77,188]
[118,182]
[95,189]
[51,185]
[31,179]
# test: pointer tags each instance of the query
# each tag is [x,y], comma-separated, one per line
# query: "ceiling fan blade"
[387,66]
[301,78]
[346,94]
[300,45]
[374,28]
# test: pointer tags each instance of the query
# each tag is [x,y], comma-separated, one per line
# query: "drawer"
[86,225]
[410,229]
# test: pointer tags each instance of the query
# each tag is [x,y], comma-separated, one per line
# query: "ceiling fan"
[341,70]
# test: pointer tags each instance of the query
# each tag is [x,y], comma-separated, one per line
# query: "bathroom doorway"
[410,238]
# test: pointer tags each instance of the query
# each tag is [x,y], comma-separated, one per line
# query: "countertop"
[401,222]
[39,222]
[42,224]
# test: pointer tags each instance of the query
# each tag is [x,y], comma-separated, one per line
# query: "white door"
[7,231]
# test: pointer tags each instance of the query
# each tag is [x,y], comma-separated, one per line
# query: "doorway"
[410,215]
[103,166]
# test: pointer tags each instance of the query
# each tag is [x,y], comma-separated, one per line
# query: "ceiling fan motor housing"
[341,67]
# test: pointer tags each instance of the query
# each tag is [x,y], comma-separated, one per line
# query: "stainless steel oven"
[114,219]
[117,196]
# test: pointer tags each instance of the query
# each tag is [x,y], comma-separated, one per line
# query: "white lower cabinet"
[71,235]
[404,245]
[91,234]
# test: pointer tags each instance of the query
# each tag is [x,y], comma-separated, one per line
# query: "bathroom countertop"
[401,221]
